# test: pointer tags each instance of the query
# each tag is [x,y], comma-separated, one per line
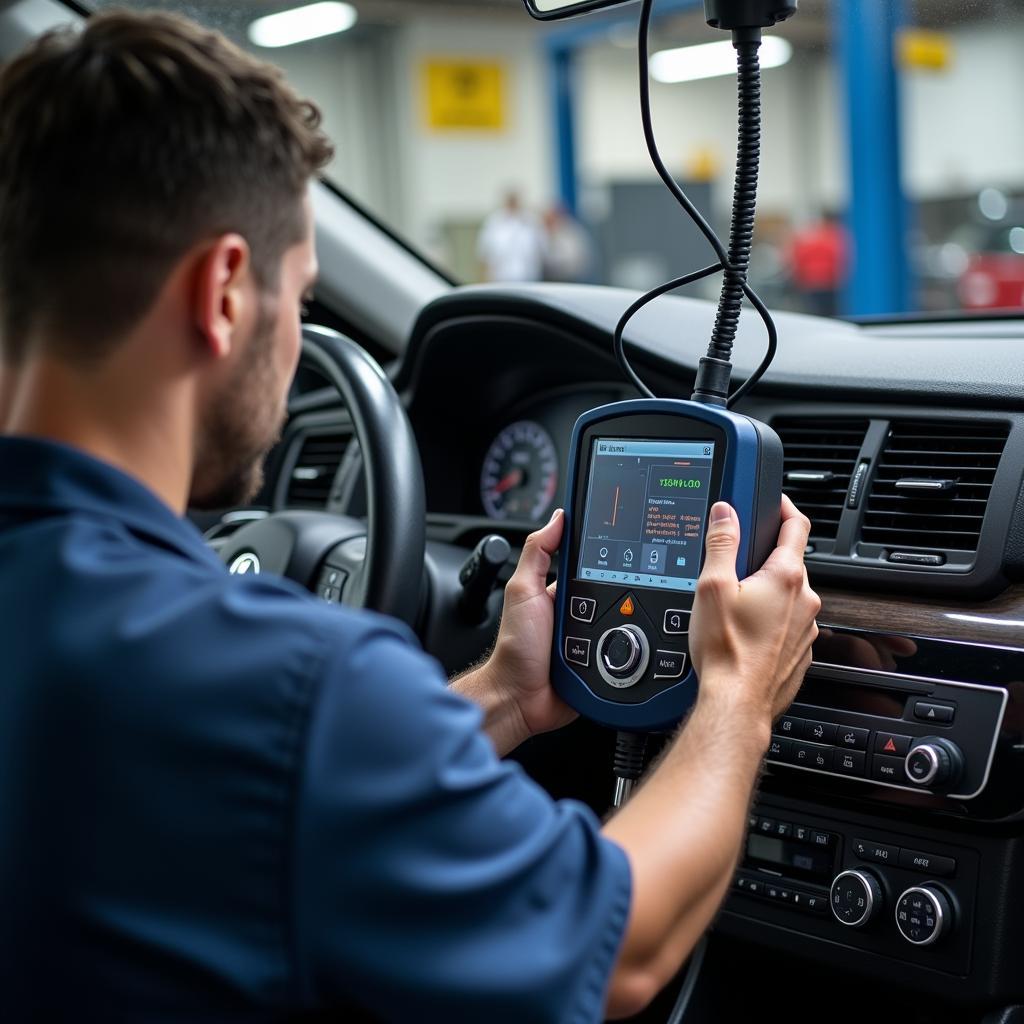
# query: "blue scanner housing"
[607,619]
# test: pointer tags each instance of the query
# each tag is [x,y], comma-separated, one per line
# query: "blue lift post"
[880,280]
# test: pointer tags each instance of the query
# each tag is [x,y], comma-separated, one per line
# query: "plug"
[748,14]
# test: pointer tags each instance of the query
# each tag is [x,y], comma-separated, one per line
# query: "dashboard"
[887,838]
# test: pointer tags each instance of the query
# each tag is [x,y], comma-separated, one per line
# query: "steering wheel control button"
[856,898]
[849,762]
[819,732]
[677,622]
[583,609]
[934,763]
[669,664]
[927,863]
[892,745]
[923,915]
[941,713]
[852,739]
[577,651]
[622,656]
[888,769]
[879,853]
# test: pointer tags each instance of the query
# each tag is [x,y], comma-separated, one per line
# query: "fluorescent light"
[712,60]
[302,23]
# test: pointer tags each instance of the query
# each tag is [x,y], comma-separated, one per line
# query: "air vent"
[314,471]
[821,455]
[932,486]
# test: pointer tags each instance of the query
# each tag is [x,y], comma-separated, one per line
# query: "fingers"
[722,544]
[788,558]
[531,575]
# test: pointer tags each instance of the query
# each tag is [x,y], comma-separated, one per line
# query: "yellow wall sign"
[465,95]
[925,51]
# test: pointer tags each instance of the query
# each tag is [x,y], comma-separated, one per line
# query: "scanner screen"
[645,512]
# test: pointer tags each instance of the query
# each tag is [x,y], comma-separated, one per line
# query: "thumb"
[535,561]
[723,541]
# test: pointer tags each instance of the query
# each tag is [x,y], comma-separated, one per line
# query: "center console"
[886,835]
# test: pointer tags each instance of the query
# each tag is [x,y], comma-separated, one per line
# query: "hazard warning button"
[628,607]
[892,744]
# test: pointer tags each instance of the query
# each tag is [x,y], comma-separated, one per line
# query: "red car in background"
[994,278]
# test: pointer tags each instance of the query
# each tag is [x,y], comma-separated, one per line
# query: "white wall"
[800,168]
[462,175]
[964,128]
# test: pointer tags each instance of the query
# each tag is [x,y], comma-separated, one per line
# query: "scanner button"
[577,650]
[669,664]
[677,622]
[583,609]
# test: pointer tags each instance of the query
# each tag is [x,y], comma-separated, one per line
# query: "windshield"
[505,150]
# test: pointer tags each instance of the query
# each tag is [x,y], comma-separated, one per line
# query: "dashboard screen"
[645,512]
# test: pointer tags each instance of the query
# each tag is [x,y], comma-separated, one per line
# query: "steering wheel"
[378,564]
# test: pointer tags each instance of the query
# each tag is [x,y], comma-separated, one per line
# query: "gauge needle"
[513,479]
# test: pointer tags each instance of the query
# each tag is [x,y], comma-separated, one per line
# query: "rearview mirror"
[552,10]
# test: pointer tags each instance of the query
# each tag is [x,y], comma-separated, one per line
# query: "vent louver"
[821,455]
[315,469]
[932,486]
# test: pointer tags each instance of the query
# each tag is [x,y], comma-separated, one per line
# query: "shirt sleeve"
[433,881]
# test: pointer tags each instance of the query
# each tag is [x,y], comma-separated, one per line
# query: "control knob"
[622,656]
[935,762]
[856,898]
[924,915]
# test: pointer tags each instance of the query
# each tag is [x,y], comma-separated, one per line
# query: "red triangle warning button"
[627,607]
[890,747]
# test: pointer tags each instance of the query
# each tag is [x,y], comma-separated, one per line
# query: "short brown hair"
[121,147]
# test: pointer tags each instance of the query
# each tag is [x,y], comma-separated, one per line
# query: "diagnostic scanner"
[643,476]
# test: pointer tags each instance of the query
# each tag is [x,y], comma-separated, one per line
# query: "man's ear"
[222,274]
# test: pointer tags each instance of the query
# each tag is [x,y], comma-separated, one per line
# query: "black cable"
[728,318]
[630,758]
[643,48]
[618,344]
[748,163]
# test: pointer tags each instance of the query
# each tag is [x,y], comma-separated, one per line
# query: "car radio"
[645,475]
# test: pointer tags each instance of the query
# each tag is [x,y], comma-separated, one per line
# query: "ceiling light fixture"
[302,23]
[713,60]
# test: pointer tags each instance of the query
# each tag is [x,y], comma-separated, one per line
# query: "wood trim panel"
[999,621]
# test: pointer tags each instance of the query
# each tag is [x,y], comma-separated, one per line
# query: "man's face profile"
[243,412]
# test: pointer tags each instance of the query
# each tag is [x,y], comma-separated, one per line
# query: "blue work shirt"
[221,799]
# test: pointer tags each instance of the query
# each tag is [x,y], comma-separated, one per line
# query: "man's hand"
[751,640]
[514,685]
[751,643]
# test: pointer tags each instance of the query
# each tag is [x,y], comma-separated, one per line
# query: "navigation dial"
[622,656]
[520,473]
[923,915]
[856,898]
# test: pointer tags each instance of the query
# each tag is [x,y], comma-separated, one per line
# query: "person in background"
[819,260]
[568,253]
[511,244]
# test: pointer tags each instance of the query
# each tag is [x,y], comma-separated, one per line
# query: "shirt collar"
[38,475]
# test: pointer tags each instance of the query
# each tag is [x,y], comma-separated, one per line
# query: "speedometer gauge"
[520,474]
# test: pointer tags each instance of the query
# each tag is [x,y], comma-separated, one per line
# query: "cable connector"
[712,384]
[734,14]
[630,758]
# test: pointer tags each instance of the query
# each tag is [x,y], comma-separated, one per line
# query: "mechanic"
[222,798]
